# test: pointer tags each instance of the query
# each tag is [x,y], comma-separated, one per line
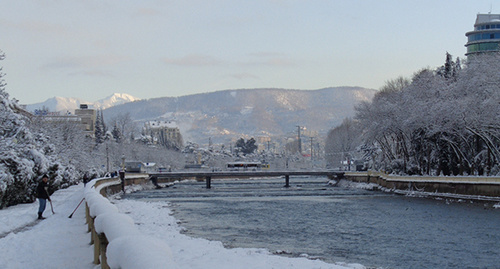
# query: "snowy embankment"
[155,219]
[62,242]
[416,193]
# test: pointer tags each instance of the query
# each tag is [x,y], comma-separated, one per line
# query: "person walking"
[42,193]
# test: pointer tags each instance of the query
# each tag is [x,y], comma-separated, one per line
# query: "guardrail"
[117,242]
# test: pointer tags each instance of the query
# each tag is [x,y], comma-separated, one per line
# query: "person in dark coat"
[154,180]
[42,193]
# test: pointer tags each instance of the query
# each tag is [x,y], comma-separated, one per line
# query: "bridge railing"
[208,175]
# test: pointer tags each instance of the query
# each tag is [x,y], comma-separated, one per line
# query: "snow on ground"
[56,242]
[61,242]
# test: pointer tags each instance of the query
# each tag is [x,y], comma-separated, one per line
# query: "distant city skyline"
[92,49]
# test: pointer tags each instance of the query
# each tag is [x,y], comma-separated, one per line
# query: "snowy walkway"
[56,242]
[61,242]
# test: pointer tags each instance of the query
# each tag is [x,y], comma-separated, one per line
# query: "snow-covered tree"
[125,125]
[26,155]
[437,125]
[246,147]
[99,129]
[341,143]
[117,135]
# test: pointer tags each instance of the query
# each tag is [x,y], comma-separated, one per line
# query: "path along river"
[337,224]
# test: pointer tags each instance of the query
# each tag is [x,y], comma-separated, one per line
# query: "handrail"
[112,231]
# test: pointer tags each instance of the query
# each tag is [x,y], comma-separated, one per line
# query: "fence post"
[87,217]
[103,247]
[92,230]
[97,245]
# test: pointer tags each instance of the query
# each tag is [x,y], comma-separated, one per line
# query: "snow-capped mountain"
[229,114]
[65,104]
[114,100]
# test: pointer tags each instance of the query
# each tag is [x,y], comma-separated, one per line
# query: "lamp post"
[298,138]
[123,162]
[107,158]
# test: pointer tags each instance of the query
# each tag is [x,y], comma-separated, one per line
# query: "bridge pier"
[287,181]
[208,180]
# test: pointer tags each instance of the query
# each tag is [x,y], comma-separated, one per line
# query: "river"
[337,224]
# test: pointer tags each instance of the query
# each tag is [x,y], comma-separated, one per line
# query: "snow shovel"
[51,207]
[76,208]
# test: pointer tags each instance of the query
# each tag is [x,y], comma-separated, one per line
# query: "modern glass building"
[486,34]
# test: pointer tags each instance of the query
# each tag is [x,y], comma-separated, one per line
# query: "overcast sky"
[153,48]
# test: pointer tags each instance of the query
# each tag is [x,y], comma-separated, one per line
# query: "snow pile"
[115,225]
[139,251]
[98,205]
[357,185]
[127,248]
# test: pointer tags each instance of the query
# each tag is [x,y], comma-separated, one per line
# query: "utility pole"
[312,152]
[299,141]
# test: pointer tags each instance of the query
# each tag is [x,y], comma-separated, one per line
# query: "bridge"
[208,175]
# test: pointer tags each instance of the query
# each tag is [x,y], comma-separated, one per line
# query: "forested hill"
[223,115]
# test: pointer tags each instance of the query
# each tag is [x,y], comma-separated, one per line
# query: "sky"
[91,49]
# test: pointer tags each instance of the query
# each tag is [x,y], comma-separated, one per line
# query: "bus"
[246,166]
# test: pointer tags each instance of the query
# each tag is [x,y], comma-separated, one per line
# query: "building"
[88,117]
[165,133]
[486,35]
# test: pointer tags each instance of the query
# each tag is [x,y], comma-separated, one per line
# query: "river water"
[337,224]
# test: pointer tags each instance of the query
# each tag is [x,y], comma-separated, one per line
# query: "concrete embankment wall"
[116,187]
[463,185]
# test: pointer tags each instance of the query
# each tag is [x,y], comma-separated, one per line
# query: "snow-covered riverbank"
[61,242]
[155,219]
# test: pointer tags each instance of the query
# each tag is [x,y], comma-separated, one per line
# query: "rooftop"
[487,18]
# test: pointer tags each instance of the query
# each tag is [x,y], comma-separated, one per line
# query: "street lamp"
[123,162]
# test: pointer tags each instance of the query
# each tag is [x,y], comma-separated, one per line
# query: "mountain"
[57,104]
[227,115]
[114,100]
[64,104]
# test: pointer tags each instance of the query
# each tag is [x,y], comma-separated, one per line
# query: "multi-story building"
[88,117]
[165,133]
[486,35]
